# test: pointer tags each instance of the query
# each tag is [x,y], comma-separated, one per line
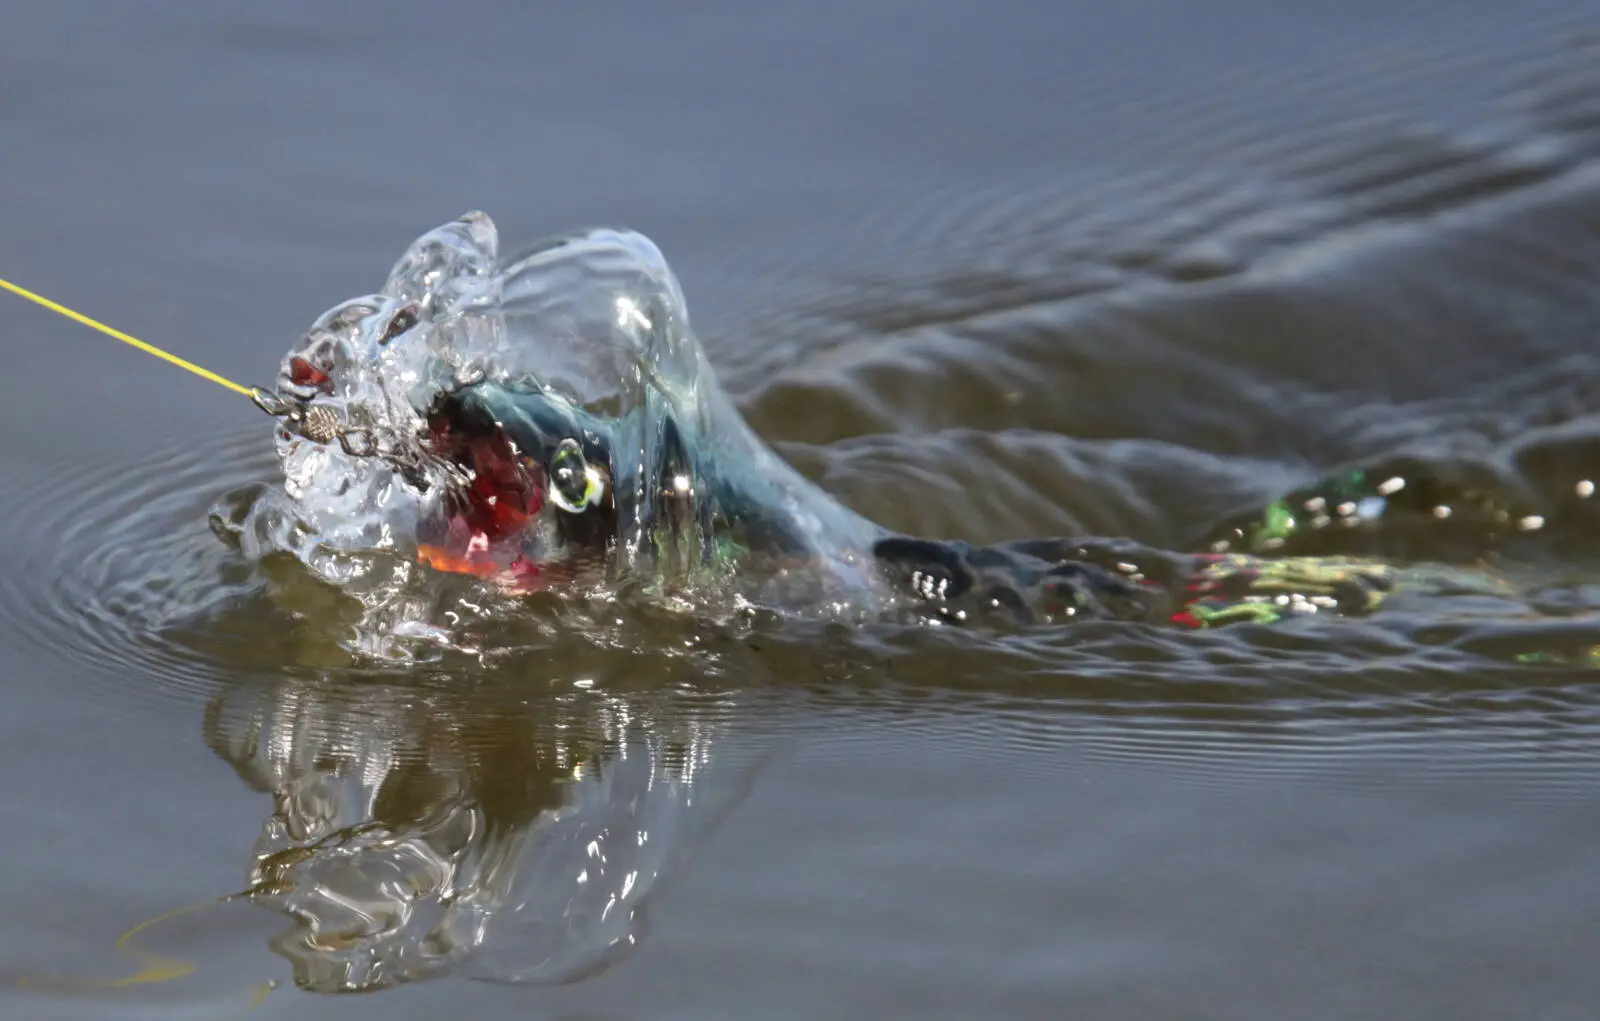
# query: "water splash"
[593,328]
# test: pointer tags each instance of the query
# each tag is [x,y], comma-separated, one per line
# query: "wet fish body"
[584,440]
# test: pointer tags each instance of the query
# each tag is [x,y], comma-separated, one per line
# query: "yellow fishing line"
[79,317]
[155,967]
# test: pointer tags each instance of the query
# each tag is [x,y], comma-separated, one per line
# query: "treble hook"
[321,424]
[316,422]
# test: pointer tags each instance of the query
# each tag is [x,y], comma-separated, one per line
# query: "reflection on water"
[492,833]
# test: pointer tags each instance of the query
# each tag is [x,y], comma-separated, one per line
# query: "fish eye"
[575,484]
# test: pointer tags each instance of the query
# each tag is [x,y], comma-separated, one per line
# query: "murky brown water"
[997,273]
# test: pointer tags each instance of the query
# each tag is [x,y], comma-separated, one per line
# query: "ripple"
[985,487]
[124,577]
[1257,270]
[1329,300]
[116,564]
[1213,712]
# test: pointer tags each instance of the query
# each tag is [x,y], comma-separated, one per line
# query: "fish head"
[532,497]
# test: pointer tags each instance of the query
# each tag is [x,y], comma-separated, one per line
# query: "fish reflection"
[491,834]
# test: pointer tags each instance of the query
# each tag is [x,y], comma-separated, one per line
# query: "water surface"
[1110,269]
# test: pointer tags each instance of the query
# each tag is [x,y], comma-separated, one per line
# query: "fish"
[568,431]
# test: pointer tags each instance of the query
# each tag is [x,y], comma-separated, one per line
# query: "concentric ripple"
[116,562]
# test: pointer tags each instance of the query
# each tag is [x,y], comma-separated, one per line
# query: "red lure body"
[484,532]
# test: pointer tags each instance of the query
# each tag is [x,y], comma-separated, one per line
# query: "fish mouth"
[489,515]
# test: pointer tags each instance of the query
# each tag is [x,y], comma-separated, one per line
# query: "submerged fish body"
[551,423]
